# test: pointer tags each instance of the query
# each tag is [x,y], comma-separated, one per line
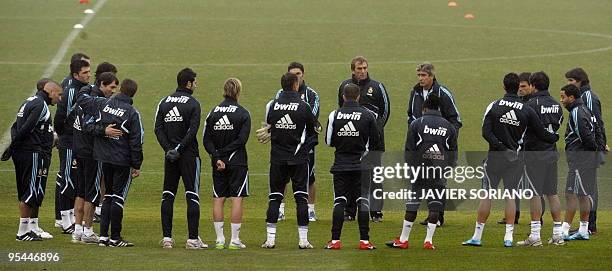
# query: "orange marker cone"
[452,4]
[469,16]
[83,1]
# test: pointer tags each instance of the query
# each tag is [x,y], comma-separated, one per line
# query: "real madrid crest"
[370,91]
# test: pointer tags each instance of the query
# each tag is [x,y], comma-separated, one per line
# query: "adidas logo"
[433,153]
[223,124]
[173,115]
[20,113]
[510,118]
[285,123]
[77,124]
[440,131]
[348,130]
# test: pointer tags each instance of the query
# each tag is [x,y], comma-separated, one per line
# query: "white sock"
[72,218]
[565,228]
[406,231]
[536,226]
[65,219]
[557,229]
[311,207]
[33,223]
[431,229]
[169,239]
[236,232]
[88,231]
[271,232]
[105,238]
[281,209]
[78,229]
[219,232]
[303,233]
[98,210]
[509,232]
[24,226]
[478,229]
[584,227]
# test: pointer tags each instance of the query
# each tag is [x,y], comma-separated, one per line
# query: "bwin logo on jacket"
[114,111]
[549,109]
[223,124]
[173,115]
[510,118]
[288,107]
[352,116]
[348,130]
[515,105]
[226,109]
[182,99]
[433,153]
[440,131]
[285,123]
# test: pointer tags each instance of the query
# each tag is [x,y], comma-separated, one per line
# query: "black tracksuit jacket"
[351,129]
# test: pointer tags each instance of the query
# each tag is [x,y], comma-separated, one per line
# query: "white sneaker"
[304,244]
[236,245]
[312,216]
[556,240]
[167,243]
[91,239]
[268,244]
[195,244]
[530,242]
[76,238]
[42,233]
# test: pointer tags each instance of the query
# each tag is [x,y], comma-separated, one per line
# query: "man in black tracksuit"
[524,91]
[503,127]
[311,97]
[292,130]
[90,100]
[29,140]
[76,56]
[47,143]
[177,121]
[582,150]
[579,78]
[431,142]
[121,159]
[351,130]
[541,160]
[64,120]
[426,86]
[374,97]
[226,132]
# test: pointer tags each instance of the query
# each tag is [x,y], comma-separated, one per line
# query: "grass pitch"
[150,41]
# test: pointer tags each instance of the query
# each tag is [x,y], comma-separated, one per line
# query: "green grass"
[151,40]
